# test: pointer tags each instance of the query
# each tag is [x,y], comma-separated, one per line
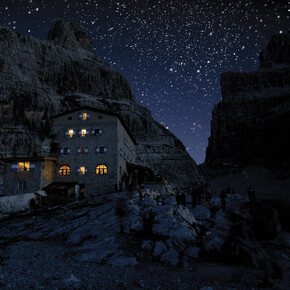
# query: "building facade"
[93,149]
[27,174]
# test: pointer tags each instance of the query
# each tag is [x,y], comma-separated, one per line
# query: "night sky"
[171,52]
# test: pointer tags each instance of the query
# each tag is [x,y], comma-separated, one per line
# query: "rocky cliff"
[252,123]
[39,79]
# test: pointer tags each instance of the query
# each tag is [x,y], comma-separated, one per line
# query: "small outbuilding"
[27,174]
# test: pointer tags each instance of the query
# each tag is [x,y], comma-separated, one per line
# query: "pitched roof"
[99,111]
[60,185]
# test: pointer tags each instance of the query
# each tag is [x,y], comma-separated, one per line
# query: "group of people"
[197,196]
[223,196]
[251,194]
[125,184]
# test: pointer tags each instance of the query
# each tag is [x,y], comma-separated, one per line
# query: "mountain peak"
[70,36]
[277,51]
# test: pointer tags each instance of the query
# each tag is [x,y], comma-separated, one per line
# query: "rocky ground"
[116,242]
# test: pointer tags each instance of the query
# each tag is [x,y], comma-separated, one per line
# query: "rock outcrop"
[39,79]
[251,126]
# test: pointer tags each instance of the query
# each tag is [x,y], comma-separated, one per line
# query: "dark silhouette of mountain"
[39,79]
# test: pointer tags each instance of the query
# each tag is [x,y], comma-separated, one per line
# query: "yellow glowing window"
[82,170]
[23,166]
[84,116]
[70,133]
[64,170]
[101,170]
[83,132]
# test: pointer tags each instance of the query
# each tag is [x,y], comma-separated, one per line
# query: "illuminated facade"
[27,174]
[94,148]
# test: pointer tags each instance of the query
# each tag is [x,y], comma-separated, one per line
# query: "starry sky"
[171,52]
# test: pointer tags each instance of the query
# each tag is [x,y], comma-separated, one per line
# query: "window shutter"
[80,133]
[66,133]
[32,167]
[98,150]
[105,150]
[88,115]
[88,132]
[68,151]
[61,151]
[14,167]
[78,171]
[93,132]
[79,151]
[86,170]
[100,132]
[86,151]
[80,116]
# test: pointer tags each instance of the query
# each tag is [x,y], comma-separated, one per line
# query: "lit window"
[64,170]
[82,170]
[101,170]
[84,116]
[83,132]
[70,133]
[23,166]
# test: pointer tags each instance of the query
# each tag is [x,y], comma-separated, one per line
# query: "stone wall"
[94,184]
[126,151]
[32,179]
[251,126]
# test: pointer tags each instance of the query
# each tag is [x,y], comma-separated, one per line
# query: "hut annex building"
[89,154]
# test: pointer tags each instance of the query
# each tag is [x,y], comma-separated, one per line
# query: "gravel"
[51,265]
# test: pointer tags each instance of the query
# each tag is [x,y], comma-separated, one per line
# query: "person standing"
[252,196]
[194,199]
[183,199]
[140,191]
[223,196]
[178,198]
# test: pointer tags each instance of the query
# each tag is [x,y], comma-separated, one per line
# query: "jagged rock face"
[252,123]
[277,51]
[70,36]
[39,79]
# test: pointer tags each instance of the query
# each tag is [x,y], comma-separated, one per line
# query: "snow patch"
[16,203]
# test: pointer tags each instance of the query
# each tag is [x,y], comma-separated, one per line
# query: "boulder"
[159,248]
[122,261]
[221,220]
[170,257]
[192,252]
[214,241]
[133,221]
[176,226]
[147,245]
[186,214]
[201,213]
